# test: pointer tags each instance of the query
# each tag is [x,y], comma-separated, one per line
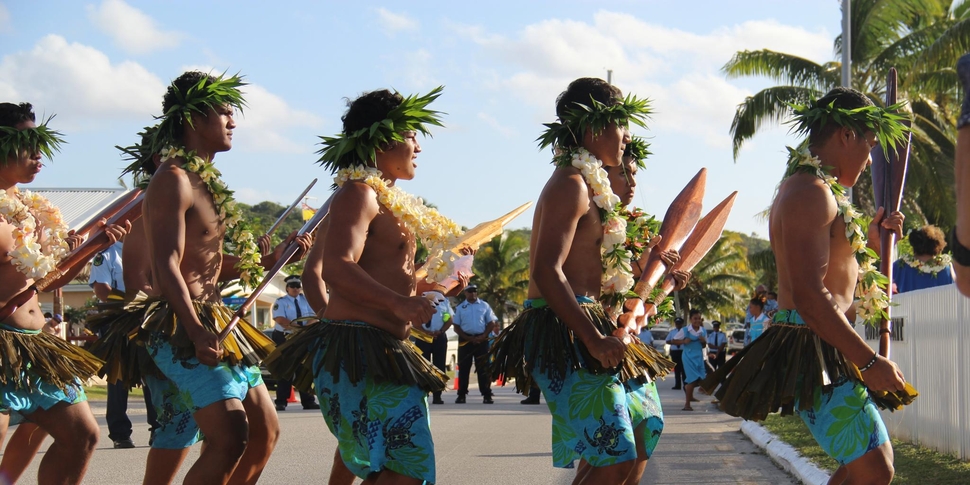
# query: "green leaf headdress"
[14,142]
[638,149]
[140,155]
[596,117]
[886,123]
[208,93]
[360,147]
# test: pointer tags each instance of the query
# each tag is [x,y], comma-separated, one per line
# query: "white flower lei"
[438,233]
[34,218]
[936,264]
[617,267]
[246,249]
[871,284]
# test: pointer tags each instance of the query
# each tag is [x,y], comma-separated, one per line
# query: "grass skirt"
[245,345]
[538,336]
[357,348]
[789,360]
[27,357]
[125,357]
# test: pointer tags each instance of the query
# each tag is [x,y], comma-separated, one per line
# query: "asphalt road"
[502,443]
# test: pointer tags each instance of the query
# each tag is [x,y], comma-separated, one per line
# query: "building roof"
[79,205]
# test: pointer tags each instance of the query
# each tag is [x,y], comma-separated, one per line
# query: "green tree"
[502,273]
[922,39]
[262,215]
[721,280]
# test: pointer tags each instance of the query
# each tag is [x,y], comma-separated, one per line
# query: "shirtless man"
[818,272]
[55,401]
[565,286]
[960,241]
[184,229]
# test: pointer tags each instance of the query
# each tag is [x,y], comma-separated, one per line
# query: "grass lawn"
[100,393]
[914,463]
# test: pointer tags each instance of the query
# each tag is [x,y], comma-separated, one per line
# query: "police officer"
[436,349]
[474,320]
[677,353]
[286,309]
[107,280]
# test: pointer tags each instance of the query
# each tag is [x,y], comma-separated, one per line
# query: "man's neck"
[924,257]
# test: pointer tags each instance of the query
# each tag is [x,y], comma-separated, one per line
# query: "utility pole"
[847,43]
[609,76]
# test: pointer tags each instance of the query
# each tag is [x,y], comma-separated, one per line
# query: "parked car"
[660,340]
[735,340]
[268,378]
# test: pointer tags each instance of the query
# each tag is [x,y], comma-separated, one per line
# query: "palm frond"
[768,106]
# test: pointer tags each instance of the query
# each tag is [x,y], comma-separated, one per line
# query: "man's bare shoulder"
[566,184]
[804,194]
[170,176]
[353,195]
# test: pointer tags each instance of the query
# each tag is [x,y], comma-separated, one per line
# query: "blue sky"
[102,67]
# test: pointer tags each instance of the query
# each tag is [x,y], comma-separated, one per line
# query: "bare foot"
[687,408]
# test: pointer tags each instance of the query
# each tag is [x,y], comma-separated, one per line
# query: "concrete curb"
[784,455]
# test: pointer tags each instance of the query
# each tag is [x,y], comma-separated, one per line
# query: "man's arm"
[101,290]
[229,272]
[962,169]
[566,201]
[809,212]
[314,287]
[170,194]
[353,208]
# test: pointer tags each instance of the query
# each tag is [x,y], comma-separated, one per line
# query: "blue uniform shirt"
[473,317]
[106,268]
[285,307]
[437,320]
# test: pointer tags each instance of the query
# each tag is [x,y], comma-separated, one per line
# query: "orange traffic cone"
[455,386]
[292,397]
[501,380]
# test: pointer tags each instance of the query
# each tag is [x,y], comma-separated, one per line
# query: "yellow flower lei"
[617,266]
[439,233]
[243,243]
[34,219]
[871,284]
[938,263]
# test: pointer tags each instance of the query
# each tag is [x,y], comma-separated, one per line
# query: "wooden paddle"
[680,218]
[888,179]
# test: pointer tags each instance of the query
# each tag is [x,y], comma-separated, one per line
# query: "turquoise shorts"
[845,422]
[200,385]
[43,396]
[644,404]
[177,428]
[378,425]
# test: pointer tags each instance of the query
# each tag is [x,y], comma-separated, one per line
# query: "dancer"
[373,383]
[564,341]
[960,238]
[820,366]
[42,373]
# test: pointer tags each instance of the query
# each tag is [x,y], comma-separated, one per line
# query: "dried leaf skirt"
[125,357]
[357,348]
[788,361]
[538,336]
[29,357]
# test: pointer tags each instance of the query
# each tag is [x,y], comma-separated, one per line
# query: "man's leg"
[226,431]
[961,171]
[119,426]
[481,369]
[598,475]
[439,347]
[264,432]
[20,451]
[465,355]
[875,467]
[162,465]
[152,414]
[676,356]
[636,472]
[339,473]
[283,387]
[75,433]
[387,477]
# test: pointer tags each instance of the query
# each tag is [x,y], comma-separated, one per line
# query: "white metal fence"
[931,345]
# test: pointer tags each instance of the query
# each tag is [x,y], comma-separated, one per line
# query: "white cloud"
[79,82]
[494,124]
[251,196]
[5,25]
[269,119]
[679,70]
[395,22]
[131,29]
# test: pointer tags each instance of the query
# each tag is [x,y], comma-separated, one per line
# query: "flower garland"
[938,263]
[616,258]
[39,232]
[242,243]
[438,233]
[871,286]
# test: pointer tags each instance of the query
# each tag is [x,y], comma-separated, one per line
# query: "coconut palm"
[502,273]
[721,280]
[922,39]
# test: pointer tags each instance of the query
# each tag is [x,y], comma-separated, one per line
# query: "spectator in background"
[287,308]
[716,345]
[474,321]
[757,322]
[771,304]
[676,353]
[53,325]
[693,338]
[436,350]
[927,266]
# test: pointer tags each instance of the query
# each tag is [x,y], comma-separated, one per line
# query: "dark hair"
[179,86]
[773,294]
[839,97]
[694,311]
[927,240]
[580,91]
[758,302]
[368,109]
[14,114]
[48,315]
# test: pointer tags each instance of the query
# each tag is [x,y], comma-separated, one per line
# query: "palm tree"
[721,280]
[922,39]
[502,273]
